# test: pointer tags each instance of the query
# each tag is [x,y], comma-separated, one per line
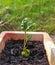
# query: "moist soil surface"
[11,54]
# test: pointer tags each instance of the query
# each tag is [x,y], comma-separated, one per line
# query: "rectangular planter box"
[37,36]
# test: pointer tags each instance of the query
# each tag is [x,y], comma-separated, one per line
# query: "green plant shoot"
[26,26]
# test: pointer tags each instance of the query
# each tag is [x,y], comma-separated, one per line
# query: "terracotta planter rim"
[2,34]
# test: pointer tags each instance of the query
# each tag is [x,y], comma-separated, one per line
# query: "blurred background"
[42,12]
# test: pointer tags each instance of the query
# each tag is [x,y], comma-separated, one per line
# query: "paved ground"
[53,37]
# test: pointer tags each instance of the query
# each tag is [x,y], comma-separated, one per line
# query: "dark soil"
[11,54]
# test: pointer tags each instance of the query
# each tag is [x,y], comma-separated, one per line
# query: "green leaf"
[30,26]
[24,24]
[27,25]
[28,37]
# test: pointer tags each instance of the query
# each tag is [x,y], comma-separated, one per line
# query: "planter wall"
[37,36]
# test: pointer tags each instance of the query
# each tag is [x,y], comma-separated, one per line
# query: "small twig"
[2,23]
